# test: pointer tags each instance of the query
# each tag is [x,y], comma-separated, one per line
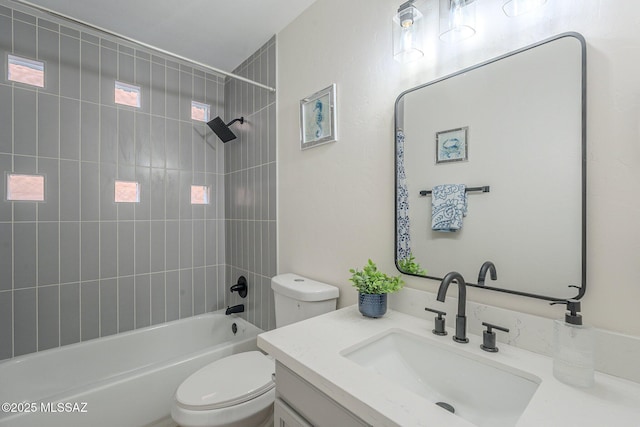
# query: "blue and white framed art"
[318,118]
[452,145]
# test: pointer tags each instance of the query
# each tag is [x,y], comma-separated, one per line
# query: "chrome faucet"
[461,318]
[491,268]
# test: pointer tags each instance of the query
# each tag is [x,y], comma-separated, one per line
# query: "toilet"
[238,390]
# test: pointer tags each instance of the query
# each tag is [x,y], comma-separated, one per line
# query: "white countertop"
[312,349]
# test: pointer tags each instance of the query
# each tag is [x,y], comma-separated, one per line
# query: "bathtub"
[122,380]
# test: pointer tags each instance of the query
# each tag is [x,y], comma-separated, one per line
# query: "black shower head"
[222,130]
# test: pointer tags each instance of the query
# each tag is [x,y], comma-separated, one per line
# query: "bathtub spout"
[235,309]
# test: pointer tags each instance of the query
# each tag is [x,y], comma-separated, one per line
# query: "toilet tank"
[298,298]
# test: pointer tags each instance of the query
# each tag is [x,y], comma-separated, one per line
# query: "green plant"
[409,265]
[372,281]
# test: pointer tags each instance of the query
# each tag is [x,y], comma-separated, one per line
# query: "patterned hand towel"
[448,207]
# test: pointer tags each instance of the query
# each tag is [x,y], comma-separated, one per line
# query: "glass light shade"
[407,35]
[518,7]
[457,20]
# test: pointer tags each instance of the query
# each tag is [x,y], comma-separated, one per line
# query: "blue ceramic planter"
[372,305]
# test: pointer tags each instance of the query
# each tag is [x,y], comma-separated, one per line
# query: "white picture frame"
[318,118]
[452,145]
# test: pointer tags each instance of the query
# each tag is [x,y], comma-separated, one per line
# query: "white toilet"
[238,390]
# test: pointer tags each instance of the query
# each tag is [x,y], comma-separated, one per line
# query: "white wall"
[336,202]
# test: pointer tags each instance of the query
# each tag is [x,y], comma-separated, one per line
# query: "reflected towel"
[448,207]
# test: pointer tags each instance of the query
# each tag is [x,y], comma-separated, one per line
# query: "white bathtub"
[122,380]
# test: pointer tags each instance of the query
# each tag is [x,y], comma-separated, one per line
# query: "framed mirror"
[498,149]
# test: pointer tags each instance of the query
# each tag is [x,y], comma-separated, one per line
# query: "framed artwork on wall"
[318,118]
[452,145]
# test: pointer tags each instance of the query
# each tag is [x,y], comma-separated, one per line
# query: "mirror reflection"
[490,169]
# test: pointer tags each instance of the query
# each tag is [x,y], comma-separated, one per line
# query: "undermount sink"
[478,389]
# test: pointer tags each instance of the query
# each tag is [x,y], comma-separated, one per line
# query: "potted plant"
[373,287]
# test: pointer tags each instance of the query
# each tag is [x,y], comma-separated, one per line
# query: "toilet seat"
[227,382]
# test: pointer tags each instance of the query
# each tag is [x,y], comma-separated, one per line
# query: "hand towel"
[448,207]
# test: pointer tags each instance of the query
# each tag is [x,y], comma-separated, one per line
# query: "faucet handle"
[438,322]
[489,337]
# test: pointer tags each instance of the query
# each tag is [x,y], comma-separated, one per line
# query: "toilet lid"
[228,381]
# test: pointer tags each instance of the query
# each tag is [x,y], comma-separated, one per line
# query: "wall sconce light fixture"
[518,7]
[457,20]
[407,33]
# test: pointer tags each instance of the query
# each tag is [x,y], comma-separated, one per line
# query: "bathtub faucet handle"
[240,287]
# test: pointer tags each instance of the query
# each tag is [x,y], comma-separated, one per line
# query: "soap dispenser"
[573,347]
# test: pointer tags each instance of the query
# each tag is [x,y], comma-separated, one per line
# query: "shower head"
[222,130]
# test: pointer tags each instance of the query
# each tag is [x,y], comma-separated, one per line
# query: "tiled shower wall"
[250,185]
[79,266]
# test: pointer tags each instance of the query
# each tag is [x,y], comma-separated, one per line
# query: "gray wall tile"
[70,129]
[186,293]
[48,317]
[186,146]
[24,255]
[142,244]
[199,248]
[49,211]
[143,79]
[172,93]
[90,131]
[48,253]
[172,195]
[89,310]
[90,72]
[48,125]
[108,307]
[108,207]
[157,193]
[69,67]
[24,128]
[199,291]
[126,298]
[125,67]
[172,251]
[69,190]
[89,251]
[157,246]
[108,135]
[6,325]
[186,244]
[143,143]
[143,208]
[6,117]
[6,256]
[126,246]
[24,321]
[69,252]
[157,89]
[6,33]
[108,76]
[48,51]
[157,298]
[143,300]
[69,313]
[157,142]
[89,191]
[172,144]
[24,39]
[108,249]
[126,129]
[172,284]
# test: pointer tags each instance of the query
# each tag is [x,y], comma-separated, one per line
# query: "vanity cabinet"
[300,404]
